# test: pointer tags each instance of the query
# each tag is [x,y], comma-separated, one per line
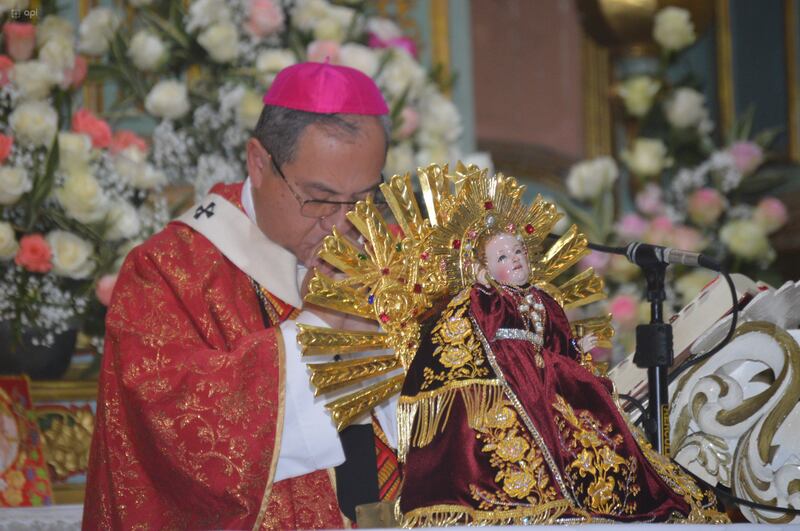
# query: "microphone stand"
[654,353]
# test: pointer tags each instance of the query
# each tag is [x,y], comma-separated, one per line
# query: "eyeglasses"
[320,208]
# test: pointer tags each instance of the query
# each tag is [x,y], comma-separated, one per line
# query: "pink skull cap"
[326,89]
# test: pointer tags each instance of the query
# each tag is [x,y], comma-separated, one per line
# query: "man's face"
[328,165]
[507,260]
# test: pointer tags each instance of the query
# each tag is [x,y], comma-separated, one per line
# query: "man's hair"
[279,129]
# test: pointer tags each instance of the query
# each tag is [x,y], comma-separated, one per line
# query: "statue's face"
[507,260]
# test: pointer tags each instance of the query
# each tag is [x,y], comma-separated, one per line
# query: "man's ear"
[257,159]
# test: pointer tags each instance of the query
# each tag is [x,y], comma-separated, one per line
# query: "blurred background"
[672,122]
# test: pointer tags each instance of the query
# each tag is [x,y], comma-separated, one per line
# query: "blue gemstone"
[371,299]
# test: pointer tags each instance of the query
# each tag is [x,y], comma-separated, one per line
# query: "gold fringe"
[421,417]
[448,515]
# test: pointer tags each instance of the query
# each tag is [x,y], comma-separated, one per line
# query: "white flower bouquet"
[74,196]
[200,72]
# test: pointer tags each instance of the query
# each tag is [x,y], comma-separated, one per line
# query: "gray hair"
[279,129]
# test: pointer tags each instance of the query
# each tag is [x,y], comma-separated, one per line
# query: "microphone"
[645,254]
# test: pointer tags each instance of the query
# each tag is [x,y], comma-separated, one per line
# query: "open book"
[693,322]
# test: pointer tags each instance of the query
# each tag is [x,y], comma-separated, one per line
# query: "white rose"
[647,157]
[72,255]
[124,221]
[149,178]
[97,30]
[35,79]
[58,54]
[249,109]
[400,159]
[34,123]
[746,239]
[400,72]
[686,108]
[328,29]
[673,29]
[434,153]
[221,41]
[637,94]
[590,178]
[147,51]
[53,27]
[13,183]
[439,118]
[74,153]
[83,198]
[168,99]
[270,62]
[204,13]
[384,28]
[8,242]
[307,13]
[359,57]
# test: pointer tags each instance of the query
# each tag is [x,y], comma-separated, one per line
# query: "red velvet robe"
[497,437]
[190,405]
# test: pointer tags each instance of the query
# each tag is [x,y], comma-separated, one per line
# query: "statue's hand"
[587,342]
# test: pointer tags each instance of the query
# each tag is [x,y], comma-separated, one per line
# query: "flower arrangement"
[74,195]
[682,189]
[200,71]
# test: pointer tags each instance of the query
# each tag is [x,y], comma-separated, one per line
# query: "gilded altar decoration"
[24,478]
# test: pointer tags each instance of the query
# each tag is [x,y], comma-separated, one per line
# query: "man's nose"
[338,219]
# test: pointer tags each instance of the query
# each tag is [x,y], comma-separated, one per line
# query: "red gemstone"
[511,227]
[529,228]
[417,288]
[456,244]
[488,205]
[424,255]
[385,271]
[384,318]
[409,345]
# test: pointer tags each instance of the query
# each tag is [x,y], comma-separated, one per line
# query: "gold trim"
[440,36]
[596,67]
[792,80]
[725,88]
[446,515]
[62,391]
[278,427]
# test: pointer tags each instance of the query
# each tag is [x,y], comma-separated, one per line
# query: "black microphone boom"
[644,254]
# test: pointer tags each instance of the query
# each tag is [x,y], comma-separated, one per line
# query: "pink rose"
[20,40]
[687,238]
[265,19]
[409,122]
[747,156]
[770,214]
[6,143]
[6,66]
[631,227]
[321,51]
[649,200]
[705,206]
[104,288]
[98,130]
[624,310]
[124,139]
[599,261]
[34,254]
[402,43]
[75,76]
[660,231]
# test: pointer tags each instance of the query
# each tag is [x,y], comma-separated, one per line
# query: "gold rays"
[401,270]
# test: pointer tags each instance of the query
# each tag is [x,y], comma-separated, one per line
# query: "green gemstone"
[362,256]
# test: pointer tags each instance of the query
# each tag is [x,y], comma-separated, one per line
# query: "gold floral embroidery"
[602,479]
[521,472]
[458,351]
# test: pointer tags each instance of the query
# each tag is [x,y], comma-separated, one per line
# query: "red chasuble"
[190,405]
